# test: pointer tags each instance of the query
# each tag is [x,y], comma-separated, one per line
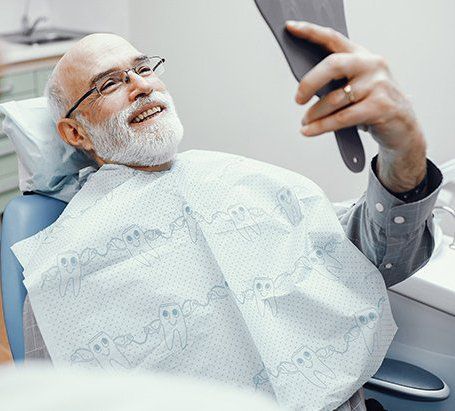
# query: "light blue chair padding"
[23,216]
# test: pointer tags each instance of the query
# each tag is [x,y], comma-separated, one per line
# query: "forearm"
[402,169]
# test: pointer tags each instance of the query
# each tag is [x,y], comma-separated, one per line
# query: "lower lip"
[150,119]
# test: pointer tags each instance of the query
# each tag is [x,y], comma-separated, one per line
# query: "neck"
[159,167]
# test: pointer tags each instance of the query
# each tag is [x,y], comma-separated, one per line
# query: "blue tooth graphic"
[311,367]
[191,223]
[290,205]
[264,293]
[173,325]
[69,268]
[367,321]
[107,354]
[137,244]
[243,221]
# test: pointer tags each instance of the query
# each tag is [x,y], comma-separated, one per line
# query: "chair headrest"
[47,165]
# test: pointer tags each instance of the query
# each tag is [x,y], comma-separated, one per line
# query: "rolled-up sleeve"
[396,236]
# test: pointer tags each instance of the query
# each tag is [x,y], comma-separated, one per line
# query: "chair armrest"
[402,379]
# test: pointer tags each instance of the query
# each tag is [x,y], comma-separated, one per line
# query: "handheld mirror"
[303,55]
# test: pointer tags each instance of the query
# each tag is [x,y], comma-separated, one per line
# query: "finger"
[326,37]
[360,113]
[333,67]
[336,100]
[364,127]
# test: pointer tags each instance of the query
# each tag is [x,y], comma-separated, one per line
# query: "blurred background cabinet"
[18,82]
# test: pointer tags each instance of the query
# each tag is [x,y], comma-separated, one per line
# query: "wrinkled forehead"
[91,56]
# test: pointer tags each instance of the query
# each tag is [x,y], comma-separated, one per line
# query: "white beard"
[114,140]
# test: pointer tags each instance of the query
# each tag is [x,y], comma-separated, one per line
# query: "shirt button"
[379,207]
[399,219]
[388,265]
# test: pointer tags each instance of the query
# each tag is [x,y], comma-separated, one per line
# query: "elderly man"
[108,100]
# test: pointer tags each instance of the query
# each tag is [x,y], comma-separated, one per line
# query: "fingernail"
[296,24]
[291,23]
[298,97]
[305,130]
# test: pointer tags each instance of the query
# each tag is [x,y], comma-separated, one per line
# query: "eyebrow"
[98,76]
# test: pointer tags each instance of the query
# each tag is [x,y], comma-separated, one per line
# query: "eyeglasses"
[111,82]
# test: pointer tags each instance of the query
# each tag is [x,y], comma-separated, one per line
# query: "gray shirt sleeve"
[396,236]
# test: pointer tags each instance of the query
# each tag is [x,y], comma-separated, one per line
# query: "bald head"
[89,56]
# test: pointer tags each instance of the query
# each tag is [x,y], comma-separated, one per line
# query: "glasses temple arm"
[76,104]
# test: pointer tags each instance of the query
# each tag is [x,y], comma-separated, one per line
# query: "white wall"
[417,37]
[234,91]
[83,15]
[92,15]
[11,13]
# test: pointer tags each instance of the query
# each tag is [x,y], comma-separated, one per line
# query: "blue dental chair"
[23,217]
[401,384]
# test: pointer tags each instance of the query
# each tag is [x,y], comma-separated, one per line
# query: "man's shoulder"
[99,181]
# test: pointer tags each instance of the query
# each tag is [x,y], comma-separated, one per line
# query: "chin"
[150,145]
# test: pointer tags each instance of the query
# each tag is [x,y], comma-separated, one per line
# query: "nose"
[140,86]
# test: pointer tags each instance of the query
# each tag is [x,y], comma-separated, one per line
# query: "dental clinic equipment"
[446,201]
[451,211]
[222,267]
[303,55]
[447,194]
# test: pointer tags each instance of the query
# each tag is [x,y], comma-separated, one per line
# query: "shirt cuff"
[396,216]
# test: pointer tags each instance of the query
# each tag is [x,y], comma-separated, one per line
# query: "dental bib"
[221,267]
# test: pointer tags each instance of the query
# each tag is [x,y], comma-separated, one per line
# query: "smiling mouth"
[147,115]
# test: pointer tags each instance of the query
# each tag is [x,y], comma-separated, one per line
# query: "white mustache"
[155,98]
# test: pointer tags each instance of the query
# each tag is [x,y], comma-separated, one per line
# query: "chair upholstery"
[23,217]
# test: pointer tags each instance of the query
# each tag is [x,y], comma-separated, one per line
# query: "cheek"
[107,106]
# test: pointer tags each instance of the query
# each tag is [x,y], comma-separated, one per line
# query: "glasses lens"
[157,64]
[110,83]
[149,66]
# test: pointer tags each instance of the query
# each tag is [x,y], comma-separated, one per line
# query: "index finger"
[327,37]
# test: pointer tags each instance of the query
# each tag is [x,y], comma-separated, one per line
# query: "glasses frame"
[93,89]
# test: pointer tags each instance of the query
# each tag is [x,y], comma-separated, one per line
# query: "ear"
[74,134]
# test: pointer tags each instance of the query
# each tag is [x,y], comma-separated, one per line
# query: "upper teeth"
[146,114]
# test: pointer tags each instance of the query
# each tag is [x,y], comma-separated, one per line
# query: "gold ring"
[349,93]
